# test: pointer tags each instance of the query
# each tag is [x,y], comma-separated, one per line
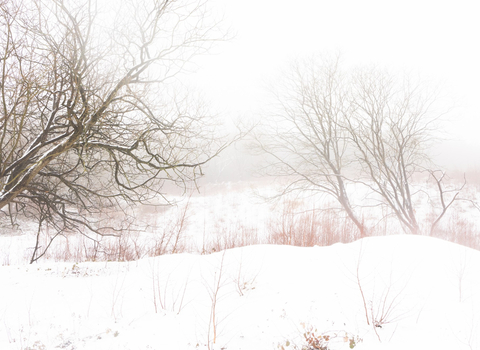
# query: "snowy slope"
[424,293]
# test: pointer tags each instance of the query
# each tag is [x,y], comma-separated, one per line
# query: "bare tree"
[391,129]
[88,119]
[335,130]
[307,139]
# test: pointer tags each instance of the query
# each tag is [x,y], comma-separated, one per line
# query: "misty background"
[434,40]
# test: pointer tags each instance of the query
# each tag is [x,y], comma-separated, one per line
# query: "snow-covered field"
[388,292]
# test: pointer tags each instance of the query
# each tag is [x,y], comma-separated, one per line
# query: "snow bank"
[417,293]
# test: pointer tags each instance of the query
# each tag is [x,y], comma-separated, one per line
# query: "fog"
[436,40]
[99,154]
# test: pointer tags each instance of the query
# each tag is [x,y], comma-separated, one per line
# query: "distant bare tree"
[335,130]
[391,129]
[307,139]
[87,116]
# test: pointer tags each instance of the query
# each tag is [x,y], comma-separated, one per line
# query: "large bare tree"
[388,133]
[336,130]
[88,118]
[307,140]
[393,125]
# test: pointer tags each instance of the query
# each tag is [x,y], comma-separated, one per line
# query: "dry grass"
[305,223]
[229,236]
[461,230]
[170,239]
[164,237]
[307,228]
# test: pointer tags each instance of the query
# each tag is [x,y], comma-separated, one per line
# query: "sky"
[438,40]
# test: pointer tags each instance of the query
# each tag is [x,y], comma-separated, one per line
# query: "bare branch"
[86,117]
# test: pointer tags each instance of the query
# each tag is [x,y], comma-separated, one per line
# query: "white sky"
[438,39]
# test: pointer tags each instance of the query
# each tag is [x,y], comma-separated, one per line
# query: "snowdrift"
[394,292]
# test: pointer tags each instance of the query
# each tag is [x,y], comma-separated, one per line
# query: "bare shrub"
[160,238]
[167,295]
[380,308]
[171,238]
[127,247]
[213,288]
[244,279]
[123,248]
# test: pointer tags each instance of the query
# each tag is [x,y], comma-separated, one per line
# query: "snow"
[267,296]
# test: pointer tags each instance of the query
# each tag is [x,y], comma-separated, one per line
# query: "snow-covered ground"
[388,292]
[418,293]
